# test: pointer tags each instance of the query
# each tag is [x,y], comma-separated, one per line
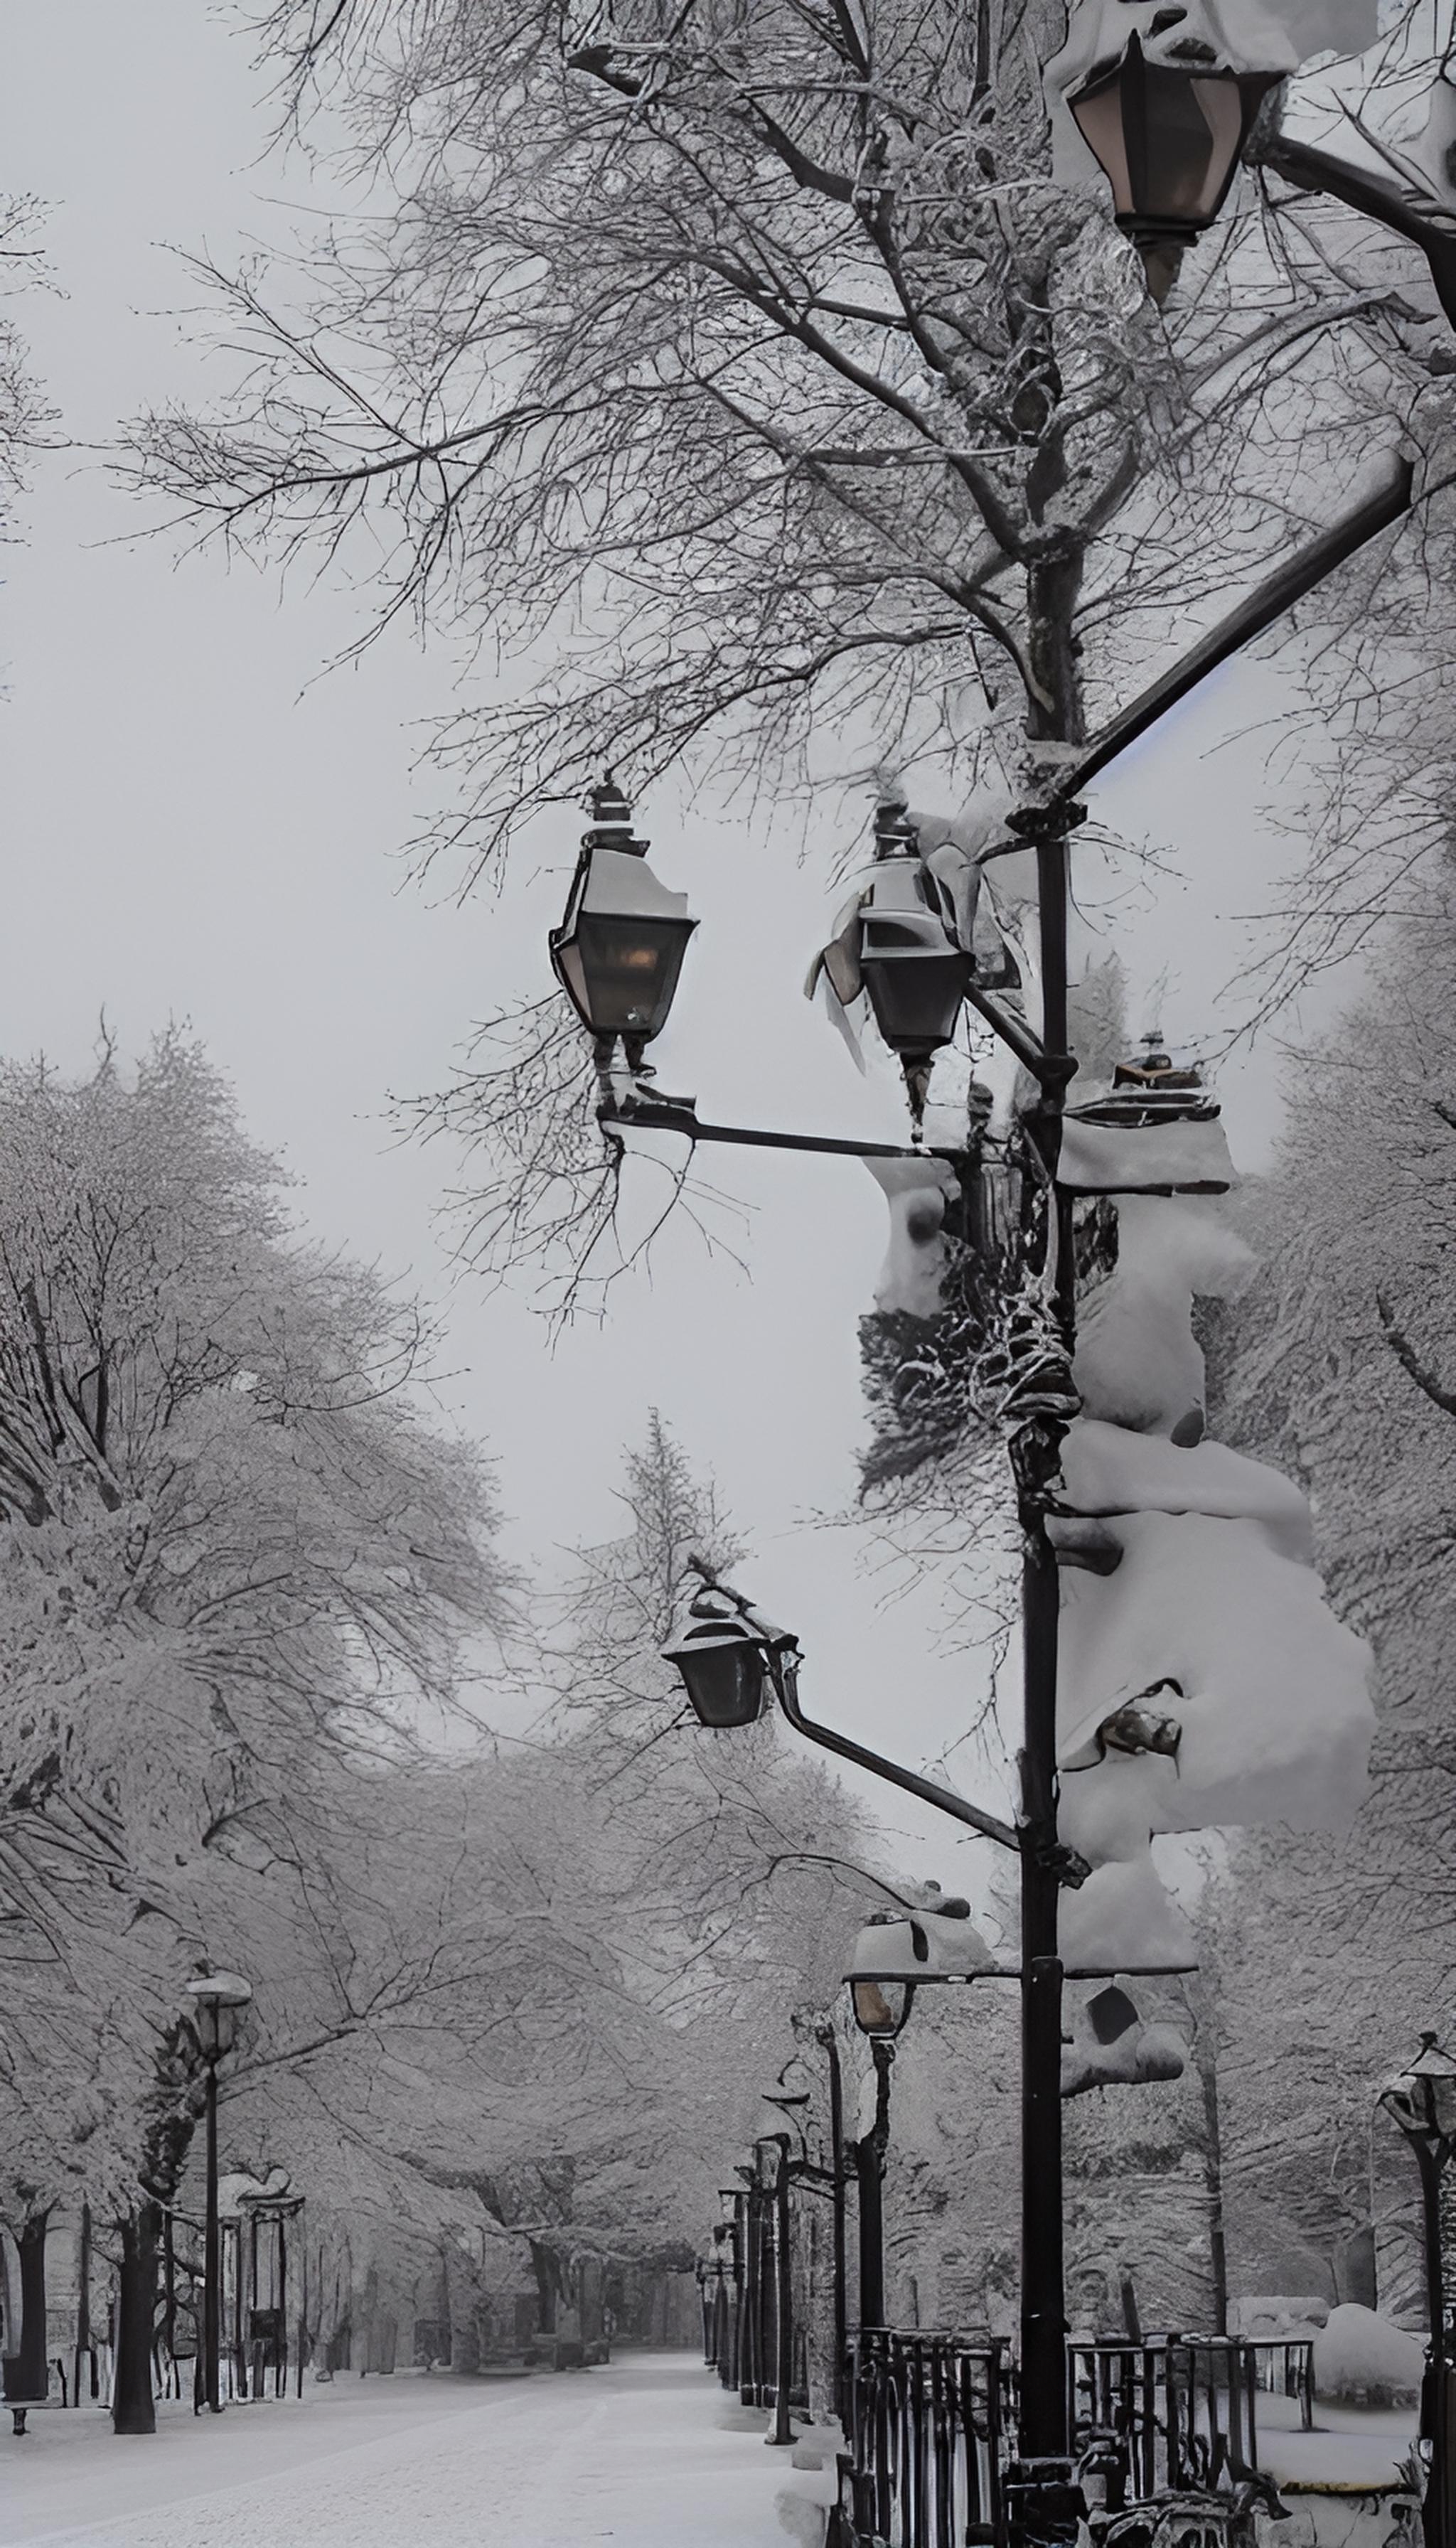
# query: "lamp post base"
[1044,2503]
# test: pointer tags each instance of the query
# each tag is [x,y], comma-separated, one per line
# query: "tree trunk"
[31,2246]
[547,2264]
[134,2408]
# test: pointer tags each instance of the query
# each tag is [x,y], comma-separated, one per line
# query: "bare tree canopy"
[745,378]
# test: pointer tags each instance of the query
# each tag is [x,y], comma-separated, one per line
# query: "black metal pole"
[1435,2398]
[830,2042]
[869,2171]
[782,2299]
[212,2260]
[1036,1450]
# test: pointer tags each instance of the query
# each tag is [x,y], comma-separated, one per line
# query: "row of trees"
[503,1987]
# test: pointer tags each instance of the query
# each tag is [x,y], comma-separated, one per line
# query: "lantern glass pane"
[725,1683]
[1099,120]
[881,2008]
[1192,129]
[622,973]
[916,997]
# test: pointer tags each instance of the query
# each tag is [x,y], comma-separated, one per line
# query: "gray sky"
[197,828]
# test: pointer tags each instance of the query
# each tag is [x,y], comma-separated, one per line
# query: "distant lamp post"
[911,966]
[1165,110]
[771,2169]
[1422,2101]
[620,949]
[215,2000]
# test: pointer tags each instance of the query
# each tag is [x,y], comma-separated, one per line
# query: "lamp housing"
[1167,135]
[771,2158]
[724,1657]
[881,2008]
[1421,2099]
[215,2000]
[912,969]
[894,1954]
[620,949]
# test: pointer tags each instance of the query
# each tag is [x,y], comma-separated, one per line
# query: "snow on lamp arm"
[894,1954]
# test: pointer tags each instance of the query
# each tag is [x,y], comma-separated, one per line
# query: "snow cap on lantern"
[892,1955]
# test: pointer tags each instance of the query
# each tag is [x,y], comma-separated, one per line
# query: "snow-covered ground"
[1349,2446]
[647,2452]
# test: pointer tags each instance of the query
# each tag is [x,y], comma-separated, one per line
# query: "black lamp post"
[215,2000]
[620,949]
[771,1658]
[1422,2101]
[772,2170]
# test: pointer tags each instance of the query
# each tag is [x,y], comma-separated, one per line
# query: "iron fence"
[927,2420]
[1183,2408]
[1285,2367]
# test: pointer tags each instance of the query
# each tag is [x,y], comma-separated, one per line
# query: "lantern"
[1422,2098]
[1166,106]
[894,1956]
[910,964]
[723,1668]
[215,2000]
[724,1658]
[620,949]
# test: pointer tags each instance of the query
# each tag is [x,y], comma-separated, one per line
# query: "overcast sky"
[197,828]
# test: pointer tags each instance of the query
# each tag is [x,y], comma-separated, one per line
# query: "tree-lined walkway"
[646,2452]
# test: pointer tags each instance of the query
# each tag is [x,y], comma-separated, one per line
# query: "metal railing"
[1184,2406]
[1284,2366]
[927,2415]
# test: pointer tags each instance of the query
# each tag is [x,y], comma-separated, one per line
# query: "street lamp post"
[215,2000]
[1038,1409]
[771,2162]
[826,2039]
[730,1658]
[1422,2101]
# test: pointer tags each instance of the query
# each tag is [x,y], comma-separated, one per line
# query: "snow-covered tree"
[762,376]
[1338,1368]
[235,1565]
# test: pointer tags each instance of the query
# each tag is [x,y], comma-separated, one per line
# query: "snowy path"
[647,2452]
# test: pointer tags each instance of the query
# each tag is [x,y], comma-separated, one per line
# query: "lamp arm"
[1279,592]
[783,1668]
[655,1114]
[1325,172]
